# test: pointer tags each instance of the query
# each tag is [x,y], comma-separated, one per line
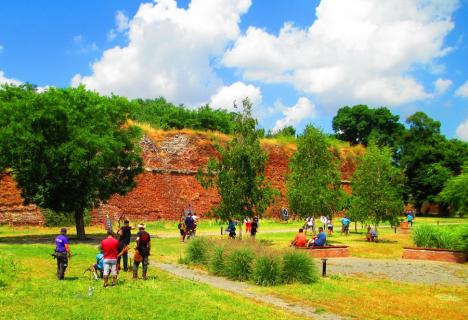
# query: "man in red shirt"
[110,248]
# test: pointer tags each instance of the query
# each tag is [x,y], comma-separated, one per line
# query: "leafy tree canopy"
[359,123]
[68,148]
[377,188]
[239,174]
[313,183]
[455,192]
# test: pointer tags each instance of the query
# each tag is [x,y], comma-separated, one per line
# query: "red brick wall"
[437,255]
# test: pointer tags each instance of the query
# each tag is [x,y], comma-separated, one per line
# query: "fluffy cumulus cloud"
[170,51]
[462,130]
[442,85]
[226,96]
[122,23]
[303,109]
[5,80]
[462,91]
[355,51]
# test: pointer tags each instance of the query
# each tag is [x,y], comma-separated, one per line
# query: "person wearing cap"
[110,248]
[62,253]
[143,246]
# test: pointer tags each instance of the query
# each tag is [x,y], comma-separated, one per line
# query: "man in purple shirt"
[62,253]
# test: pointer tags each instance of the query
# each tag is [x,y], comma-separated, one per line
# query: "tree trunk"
[79,222]
[355,226]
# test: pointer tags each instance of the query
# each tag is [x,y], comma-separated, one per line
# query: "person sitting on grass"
[319,240]
[371,234]
[300,241]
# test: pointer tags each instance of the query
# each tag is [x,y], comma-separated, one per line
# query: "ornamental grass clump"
[198,251]
[298,267]
[451,238]
[266,270]
[9,269]
[238,263]
[216,263]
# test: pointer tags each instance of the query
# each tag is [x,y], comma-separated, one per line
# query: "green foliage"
[216,263]
[9,269]
[429,159]
[162,114]
[359,123]
[452,238]
[238,264]
[455,193]
[288,131]
[68,148]
[299,267]
[239,174]
[266,270]
[62,219]
[313,185]
[377,188]
[198,251]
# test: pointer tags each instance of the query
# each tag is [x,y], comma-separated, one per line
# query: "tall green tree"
[377,187]
[429,160]
[239,173]
[313,182]
[69,148]
[359,124]
[455,193]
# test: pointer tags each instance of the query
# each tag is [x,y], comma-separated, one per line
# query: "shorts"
[110,266]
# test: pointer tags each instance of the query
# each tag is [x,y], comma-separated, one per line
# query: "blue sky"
[298,61]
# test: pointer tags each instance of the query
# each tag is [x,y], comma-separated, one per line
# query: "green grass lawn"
[37,294]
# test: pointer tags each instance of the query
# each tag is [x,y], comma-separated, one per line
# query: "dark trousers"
[124,256]
[144,262]
[62,263]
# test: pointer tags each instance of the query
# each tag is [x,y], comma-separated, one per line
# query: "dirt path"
[414,271]
[245,290]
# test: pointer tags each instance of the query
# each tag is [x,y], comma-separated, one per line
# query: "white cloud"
[462,91]
[442,85]
[170,51]
[238,91]
[303,109]
[355,51]
[462,130]
[5,80]
[122,23]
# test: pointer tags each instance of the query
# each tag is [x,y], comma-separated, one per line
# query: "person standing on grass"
[345,222]
[248,225]
[329,226]
[232,229]
[189,226]
[62,253]
[253,228]
[125,233]
[182,228]
[143,245]
[410,218]
[110,248]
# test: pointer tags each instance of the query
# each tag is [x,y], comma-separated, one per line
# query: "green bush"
[198,251]
[61,219]
[238,264]
[451,238]
[266,270]
[216,264]
[298,267]
[9,269]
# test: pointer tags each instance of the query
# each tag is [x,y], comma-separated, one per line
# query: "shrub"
[298,267]
[216,263]
[266,270]
[8,270]
[238,264]
[198,251]
[452,238]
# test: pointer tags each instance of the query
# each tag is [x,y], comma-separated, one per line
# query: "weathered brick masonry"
[168,183]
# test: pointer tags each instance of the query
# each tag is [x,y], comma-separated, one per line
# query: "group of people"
[112,251]
[251,227]
[309,224]
[188,224]
[300,240]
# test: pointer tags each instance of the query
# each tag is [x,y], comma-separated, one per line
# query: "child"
[98,267]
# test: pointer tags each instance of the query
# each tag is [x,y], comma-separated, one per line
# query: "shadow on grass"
[49,238]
